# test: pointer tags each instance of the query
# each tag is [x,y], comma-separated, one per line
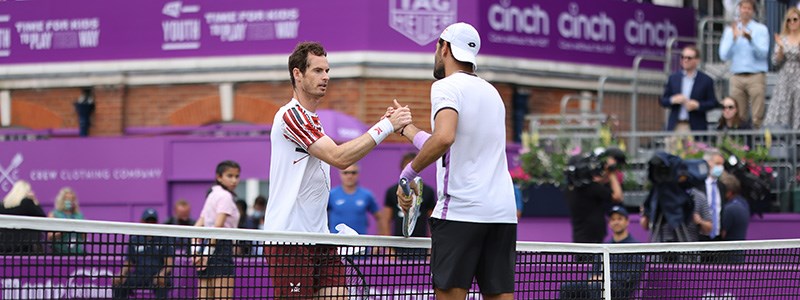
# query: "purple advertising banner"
[108,175]
[596,32]
[602,32]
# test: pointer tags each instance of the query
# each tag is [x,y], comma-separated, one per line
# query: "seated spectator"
[244,247]
[67,208]
[259,209]
[730,120]
[21,201]
[148,264]
[182,214]
[626,269]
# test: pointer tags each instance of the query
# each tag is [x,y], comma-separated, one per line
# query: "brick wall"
[118,107]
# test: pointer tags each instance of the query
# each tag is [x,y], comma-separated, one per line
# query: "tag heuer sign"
[422,20]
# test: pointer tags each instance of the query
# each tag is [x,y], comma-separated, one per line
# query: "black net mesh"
[170,262]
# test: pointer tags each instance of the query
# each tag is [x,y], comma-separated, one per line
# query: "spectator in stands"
[714,192]
[214,258]
[626,269]
[182,214]
[587,203]
[245,222]
[259,209]
[689,94]
[745,44]
[392,216]
[350,203]
[66,207]
[784,108]
[735,214]
[21,201]
[148,263]
[730,119]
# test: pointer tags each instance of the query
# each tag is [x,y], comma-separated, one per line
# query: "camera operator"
[676,210]
[592,187]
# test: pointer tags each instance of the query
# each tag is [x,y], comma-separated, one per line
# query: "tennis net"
[68,259]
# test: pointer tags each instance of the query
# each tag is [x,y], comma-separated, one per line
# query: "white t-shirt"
[473,181]
[299,183]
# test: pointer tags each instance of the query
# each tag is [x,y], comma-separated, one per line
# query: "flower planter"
[544,200]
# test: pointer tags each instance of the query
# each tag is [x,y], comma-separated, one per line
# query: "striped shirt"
[299,183]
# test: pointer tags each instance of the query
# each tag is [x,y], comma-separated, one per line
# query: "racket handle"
[405,187]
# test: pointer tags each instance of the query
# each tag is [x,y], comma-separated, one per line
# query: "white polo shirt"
[473,181]
[299,183]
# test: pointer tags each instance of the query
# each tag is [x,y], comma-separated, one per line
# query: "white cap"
[465,41]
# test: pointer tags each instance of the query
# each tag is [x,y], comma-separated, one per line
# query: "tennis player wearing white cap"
[474,223]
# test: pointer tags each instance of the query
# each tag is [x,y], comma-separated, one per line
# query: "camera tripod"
[663,233]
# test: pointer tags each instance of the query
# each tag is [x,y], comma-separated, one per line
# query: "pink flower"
[518,173]
[575,151]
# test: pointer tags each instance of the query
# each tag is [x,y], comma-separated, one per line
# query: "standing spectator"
[626,269]
[735,214]
[714,191]
[21,201]
[259,209]
[350,203]
[67,208]
[148,263]
[689,94]
[745,44]
[392,215]
[182,214]
[214,260]
[784,108]
[730,119]
[300,182]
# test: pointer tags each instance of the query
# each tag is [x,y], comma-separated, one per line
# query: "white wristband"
[381,130]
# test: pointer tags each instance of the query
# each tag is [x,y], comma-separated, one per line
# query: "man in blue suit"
[689,94]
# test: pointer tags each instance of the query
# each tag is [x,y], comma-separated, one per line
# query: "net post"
[606,274]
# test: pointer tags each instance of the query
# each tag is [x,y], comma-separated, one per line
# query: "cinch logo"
[575,25]
[422,20]
[641,32]
[530,20]
[10,174]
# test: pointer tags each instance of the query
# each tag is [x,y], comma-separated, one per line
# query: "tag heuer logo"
[422,20]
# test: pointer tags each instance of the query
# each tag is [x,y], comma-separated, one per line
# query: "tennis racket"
[357,287]
[410,217]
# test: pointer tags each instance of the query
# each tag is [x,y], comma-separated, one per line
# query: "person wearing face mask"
[259,210]
[67,208]
[714,191]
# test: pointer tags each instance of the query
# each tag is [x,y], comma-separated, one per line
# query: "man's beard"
[438,72]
